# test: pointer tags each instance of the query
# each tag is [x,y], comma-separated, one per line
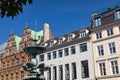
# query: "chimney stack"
[47,32]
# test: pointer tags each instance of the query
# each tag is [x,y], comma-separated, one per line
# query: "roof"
[36,35]
[17,41]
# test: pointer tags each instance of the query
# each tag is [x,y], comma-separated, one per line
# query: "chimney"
[47,32]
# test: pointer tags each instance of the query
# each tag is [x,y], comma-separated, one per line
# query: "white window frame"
[82,34]
[99,35]
[112,48]
[117,14]
[101,48]
[97,22]
[110,32]
[111,67]
[99,73]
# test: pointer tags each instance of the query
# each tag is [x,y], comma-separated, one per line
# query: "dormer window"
[117,16]
[52,42]
[44,45]
[61,40]
[82,34]
[97,22]
[71,37]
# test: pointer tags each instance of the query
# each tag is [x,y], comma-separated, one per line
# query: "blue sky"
[64,16]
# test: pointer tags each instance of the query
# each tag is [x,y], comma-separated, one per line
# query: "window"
[67,76]
[84,69]
[12,77]
[54,54]
[97,22]
[51,43]
[110,32]
[117,14]
[6,76]
[102,69]
[74,72]
[73,50]
[70,37]
[100,50]
[22,75]
[66,51]
[114,67]
[82,34]
[54,73]
[49,56]
[49,74]
[60,40]
[83,47]
[41,58]
[60,72]
[60,53]
[16,76]
[98,35]
[112,48]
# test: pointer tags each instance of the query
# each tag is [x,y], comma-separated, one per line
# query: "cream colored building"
[105,35]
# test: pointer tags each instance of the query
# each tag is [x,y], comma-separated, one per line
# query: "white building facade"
[69,57]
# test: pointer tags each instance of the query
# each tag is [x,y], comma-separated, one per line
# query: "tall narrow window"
[110,32]
[54,54]
[54,73]
[60,72]
[49,74]
[67,76]
[84,69]
[100,50]
[114,67]
[83,47]
[97,22]
[41,58]
[102,69]
[60,53]
[112,48]
[6,76]
[73,51]
[49,56]
[74,71]
[118,14]
[98,35]
[66,51]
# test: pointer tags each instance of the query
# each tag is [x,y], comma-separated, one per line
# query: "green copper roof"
[37,35]
[17,41]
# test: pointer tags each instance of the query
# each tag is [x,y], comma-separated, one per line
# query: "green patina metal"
[17,41]
[34,35]
[37,35]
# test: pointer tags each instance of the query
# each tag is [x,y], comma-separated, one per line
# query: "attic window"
[71,37]
[52,42]
[82,34]
[97,22]
[61,40]
[117,14]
